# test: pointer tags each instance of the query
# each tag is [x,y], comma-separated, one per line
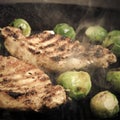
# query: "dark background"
[43,16]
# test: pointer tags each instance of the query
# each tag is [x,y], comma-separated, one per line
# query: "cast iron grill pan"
[40,19]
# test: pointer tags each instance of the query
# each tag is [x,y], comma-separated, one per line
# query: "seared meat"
[25,87]
[53,52]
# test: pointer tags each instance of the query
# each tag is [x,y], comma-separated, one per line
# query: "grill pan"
[44,15]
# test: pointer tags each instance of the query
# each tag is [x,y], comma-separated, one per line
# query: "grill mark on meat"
[49,43]
[27,80]
[61,48]
[5,81]
[24,87]
[11,33]
[50,36]
[31,50]
[27,102]
[53,52]
[56,58]
[49,95]
[57,53]
[14,95]
[7,29]
[50,47]
[1,75]
[44,78]
[47,46]
[31,93]
[34,51]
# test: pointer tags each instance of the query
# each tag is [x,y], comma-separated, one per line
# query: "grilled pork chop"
[25,87]
[53,52]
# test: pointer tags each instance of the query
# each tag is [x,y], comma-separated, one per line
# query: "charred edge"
[1,75]
[2,67]
[44,78]
[15,35]
[27,102]
[61,48]
[47,86]
[37,52]
[31,93]
[7,29]
[63,38]
[56,58]
[51,92]
[50,36]
[11,33]
[48,46]
[48,93]
[33,51]
[5,81]
[15,95]
[47,97]
[57,40]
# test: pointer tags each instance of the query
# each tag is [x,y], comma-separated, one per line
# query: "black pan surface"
[44,17]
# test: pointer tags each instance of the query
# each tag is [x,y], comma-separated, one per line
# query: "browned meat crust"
[53,52]
[25,87]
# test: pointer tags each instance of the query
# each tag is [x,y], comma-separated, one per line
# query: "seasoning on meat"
[25,87]
[52,52]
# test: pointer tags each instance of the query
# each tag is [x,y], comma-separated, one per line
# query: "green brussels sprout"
[96,33]
[116,49]
[112,41]
[76,83]
[104,104]
[113,77]
[23,25]
[65,30]
[111,38]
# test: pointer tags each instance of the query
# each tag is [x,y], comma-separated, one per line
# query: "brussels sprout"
[116,49]
[113,76]
[112,41]
[111,38]
[96,33]
[65,30]
[76,83]
[23,25]
[104,104]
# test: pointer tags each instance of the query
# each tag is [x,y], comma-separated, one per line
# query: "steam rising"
[90,19]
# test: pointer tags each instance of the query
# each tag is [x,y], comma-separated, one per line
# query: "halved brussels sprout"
[96,33]
[23,25]
[104,104]
[76,83]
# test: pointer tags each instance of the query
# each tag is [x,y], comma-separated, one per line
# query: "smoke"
[101,15]
[93,16]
